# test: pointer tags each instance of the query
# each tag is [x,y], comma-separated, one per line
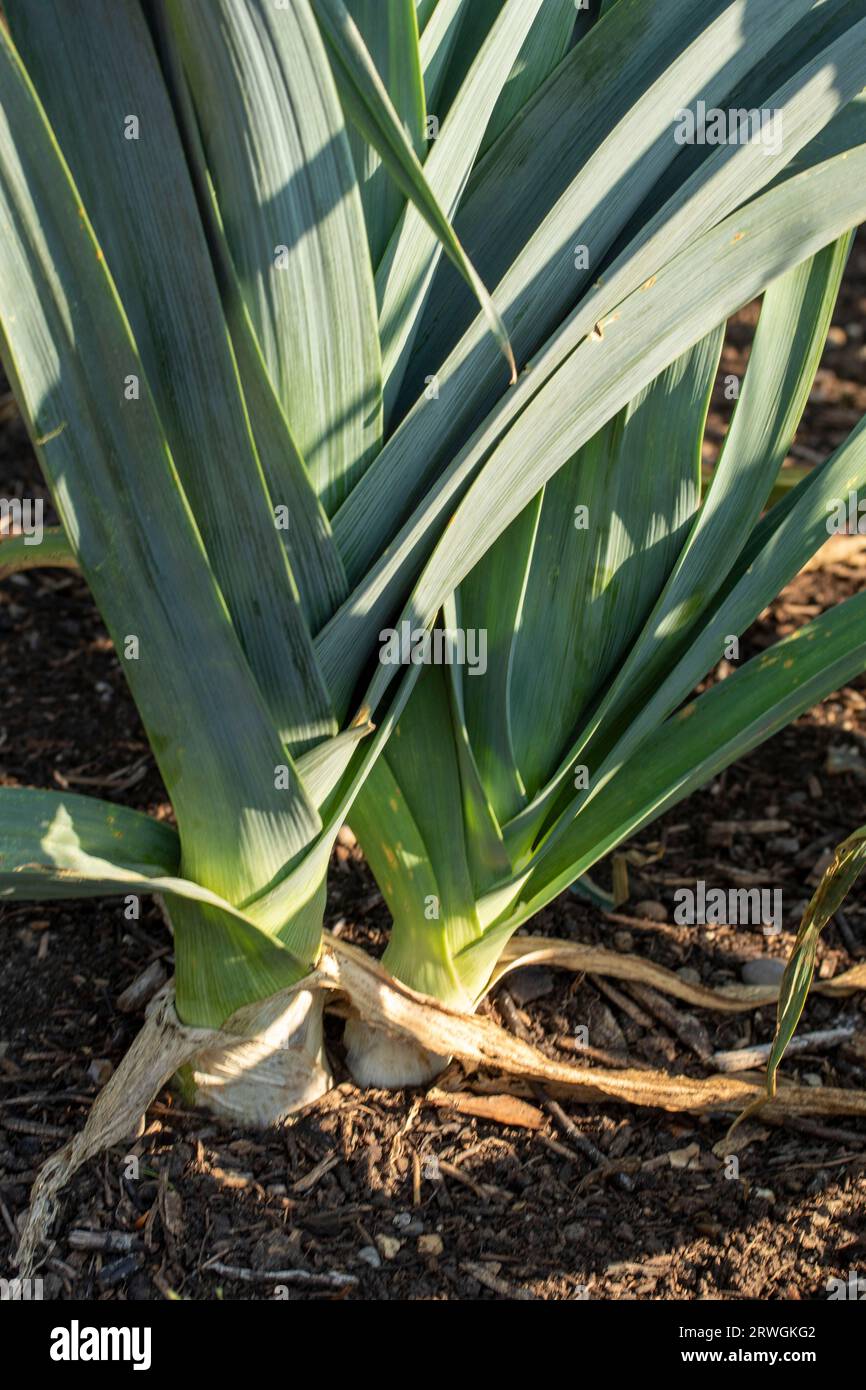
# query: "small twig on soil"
[330,1279]
[623,1002]
[745,878]
[813,1128]
[35,1127]
[48,1098]
[644,924]
[309,1180]
[747,1058]
[687,1028]
[416,1179]
[494,1283]
[818,1164]
[119,1270]
[600,1054]
[507,1007]
[142,989]
[502,1109]
[579,1140]
[852,945]
[106,1242]
[172,1112]
[750,827]
[561,1150]
[485,1191]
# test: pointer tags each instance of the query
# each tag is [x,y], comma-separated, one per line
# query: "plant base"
[378,1058]
[277,1066]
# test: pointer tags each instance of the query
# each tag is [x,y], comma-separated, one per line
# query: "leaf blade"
[50,265]
[370,107]
[279,156]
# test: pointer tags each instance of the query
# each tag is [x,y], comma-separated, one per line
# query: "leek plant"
[275,424]
[197,303]
[600,608]
[617,587]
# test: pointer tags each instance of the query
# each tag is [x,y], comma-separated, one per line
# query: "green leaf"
[718,272]
[313,557]
[591,589]
[223,961]
[849,861]
[722,725]
[390,33]
[400,860]
[485,850]
[799,535]
[544,46]
[438,39]
[404,277]
[365,98]
[825,22]
[493,596]
[277,149]
[566,129]
[787,348]
[408,819]
[20,553]
[478,19]
[67,347]
[134,182]
[425,10]
[322,768]
[431,787]
[58,845]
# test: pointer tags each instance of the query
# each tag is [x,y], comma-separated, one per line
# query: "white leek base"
[379,1058]
[277,1067]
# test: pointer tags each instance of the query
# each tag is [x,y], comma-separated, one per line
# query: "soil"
[410,1194]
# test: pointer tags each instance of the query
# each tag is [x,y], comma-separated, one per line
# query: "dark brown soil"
[410,1196]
